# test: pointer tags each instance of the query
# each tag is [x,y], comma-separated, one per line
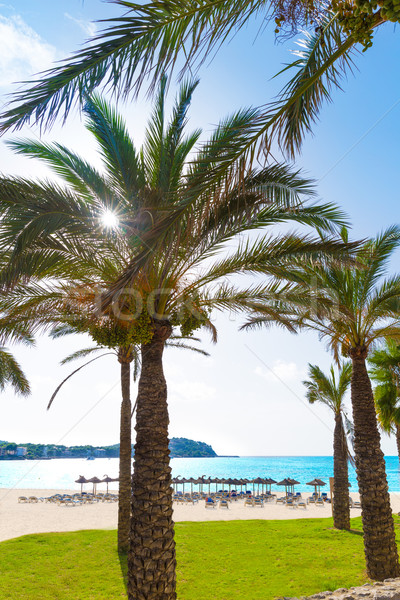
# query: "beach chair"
[258,502]
[324,496]
[319,502]
[223,503]
[291,503]
[33,499]
[210,503]
[302,504]
[281,500]
[249,502]
[356,504]
[23,499]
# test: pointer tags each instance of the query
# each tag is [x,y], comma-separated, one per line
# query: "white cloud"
[192,391]
[87,26]
[281,371]
[23,51]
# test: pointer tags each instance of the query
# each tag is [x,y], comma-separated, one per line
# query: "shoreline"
[18,519]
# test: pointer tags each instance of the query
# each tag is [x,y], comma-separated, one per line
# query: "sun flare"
[109,219]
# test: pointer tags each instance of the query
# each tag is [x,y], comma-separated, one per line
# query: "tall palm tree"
[352,308]
[331,392]
[126,355]
[181,236]
[384,370]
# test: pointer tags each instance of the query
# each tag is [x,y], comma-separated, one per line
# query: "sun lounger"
[33,499]
[249,502]
[258,502]
[356,504]
[319,502]
[223,503]
[210,503]
[302,504]
[23,499]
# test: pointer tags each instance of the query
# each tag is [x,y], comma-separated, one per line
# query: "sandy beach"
[22,519]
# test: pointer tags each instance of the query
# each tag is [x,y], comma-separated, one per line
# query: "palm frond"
[12,374]
[146,41]
[72,374]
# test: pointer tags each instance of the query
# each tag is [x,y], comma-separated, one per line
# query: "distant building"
[21,451]
[45,451]
[100,452]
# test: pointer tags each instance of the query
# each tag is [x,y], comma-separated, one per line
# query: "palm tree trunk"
[125,454]
[398,439]
[152,564]
[379,537]
[341,506]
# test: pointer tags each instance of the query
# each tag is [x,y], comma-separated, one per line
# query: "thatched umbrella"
[317,483]
[269,482]
[95,481]
[257,481]
[106,479]
[288,483]
[191,480]
[81,479]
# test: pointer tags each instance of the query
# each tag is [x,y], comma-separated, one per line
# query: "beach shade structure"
[245,482]
[191,480]
[293,483]
[215,481]
[175,482]
[289,484]
[317,483]
[95,481]
[236,482]
[259,481]
[269,482]
[106,479]
[81,479]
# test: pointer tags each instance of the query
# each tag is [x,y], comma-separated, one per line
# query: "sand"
[21,519]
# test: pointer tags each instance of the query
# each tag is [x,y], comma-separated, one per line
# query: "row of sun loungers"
[69,499]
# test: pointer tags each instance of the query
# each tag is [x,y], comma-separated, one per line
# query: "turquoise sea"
[61,473]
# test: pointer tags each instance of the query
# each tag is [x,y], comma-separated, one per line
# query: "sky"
[247,398]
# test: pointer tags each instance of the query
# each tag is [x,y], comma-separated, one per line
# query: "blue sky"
[247,398]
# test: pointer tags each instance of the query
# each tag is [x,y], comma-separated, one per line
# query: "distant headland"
[179,448]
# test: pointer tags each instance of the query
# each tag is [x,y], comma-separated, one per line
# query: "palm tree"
[325,389]
[125,356]
[352,308]
[385,372]
[181,236]
[150,38]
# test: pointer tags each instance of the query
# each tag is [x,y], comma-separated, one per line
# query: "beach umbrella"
[257,481]
[191,480]
[269,482]
[95,481]
[81,479]
[317,483]
[106,479]
[216,481]
[288,483]
[293,483]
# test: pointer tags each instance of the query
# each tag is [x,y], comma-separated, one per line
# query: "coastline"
[22,519]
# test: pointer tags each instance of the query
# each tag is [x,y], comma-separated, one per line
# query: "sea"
[62,473]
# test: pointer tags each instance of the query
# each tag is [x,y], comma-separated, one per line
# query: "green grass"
[228,560]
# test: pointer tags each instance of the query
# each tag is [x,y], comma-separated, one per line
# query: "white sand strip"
[21,519]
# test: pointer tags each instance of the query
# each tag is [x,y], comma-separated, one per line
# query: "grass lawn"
[231,560]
